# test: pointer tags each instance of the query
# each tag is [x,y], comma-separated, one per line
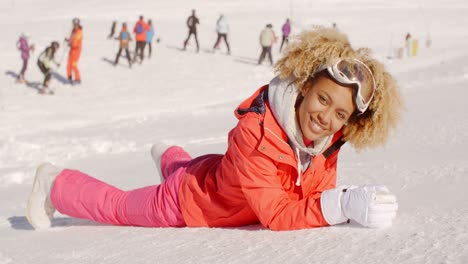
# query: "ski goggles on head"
[354,71]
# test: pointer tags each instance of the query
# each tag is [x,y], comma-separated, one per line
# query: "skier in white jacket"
[267,38]
[222,28]
[44,62]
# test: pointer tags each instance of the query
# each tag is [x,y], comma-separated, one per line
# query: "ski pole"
[64,51]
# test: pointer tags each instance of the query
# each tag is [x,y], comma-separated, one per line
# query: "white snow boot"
[40,208]
[157,150]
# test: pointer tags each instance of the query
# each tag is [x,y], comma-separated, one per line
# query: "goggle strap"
[335,146]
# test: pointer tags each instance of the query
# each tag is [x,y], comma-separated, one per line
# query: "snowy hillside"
[106,126]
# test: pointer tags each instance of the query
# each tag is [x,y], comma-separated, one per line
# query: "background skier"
[408,44]
[286,30]
[140,30]
[222,28]
[192,22]
[149,36]
[267,38]
[25,48]
[74,42]
[124,39]
[44,62]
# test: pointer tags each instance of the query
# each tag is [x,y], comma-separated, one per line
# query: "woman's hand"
[370,205]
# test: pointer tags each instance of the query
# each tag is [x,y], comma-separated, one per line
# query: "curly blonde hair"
[323,46]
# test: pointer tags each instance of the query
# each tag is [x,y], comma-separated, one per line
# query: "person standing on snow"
[149,36]
[74,42]
[25,49]
[267,39]
[279,168]
[140,30]
[124,39]
[408,44]
[222,28]
[44,62]
[286,30]
[192,22]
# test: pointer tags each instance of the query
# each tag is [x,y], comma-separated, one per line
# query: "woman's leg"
[128,56]
[46,73]
[23,69]
[217,41]
[42,67]
[48,76]
[227,43]
[282,42]
[187,39]
[79,195]
[262,55]
[142,50]
[136,52]
[118,56]
[172,159]
[270,57]
[196,41]
[149,49]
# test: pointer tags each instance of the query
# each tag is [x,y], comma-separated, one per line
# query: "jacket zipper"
[299,169]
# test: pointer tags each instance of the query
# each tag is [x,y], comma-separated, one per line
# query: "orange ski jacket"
[255,180]
[141,36]
[75,41]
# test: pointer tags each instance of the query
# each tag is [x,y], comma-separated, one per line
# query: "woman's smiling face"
[325,109]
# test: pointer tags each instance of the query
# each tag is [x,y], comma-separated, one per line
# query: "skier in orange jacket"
[74,42]
[140,30]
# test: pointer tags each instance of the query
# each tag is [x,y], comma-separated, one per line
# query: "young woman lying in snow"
[280,165]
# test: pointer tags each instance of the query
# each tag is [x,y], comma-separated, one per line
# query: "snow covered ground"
[105,127]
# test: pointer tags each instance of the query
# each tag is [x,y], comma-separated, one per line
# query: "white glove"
[371,205]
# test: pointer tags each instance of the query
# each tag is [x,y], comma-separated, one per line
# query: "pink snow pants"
[79,195]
